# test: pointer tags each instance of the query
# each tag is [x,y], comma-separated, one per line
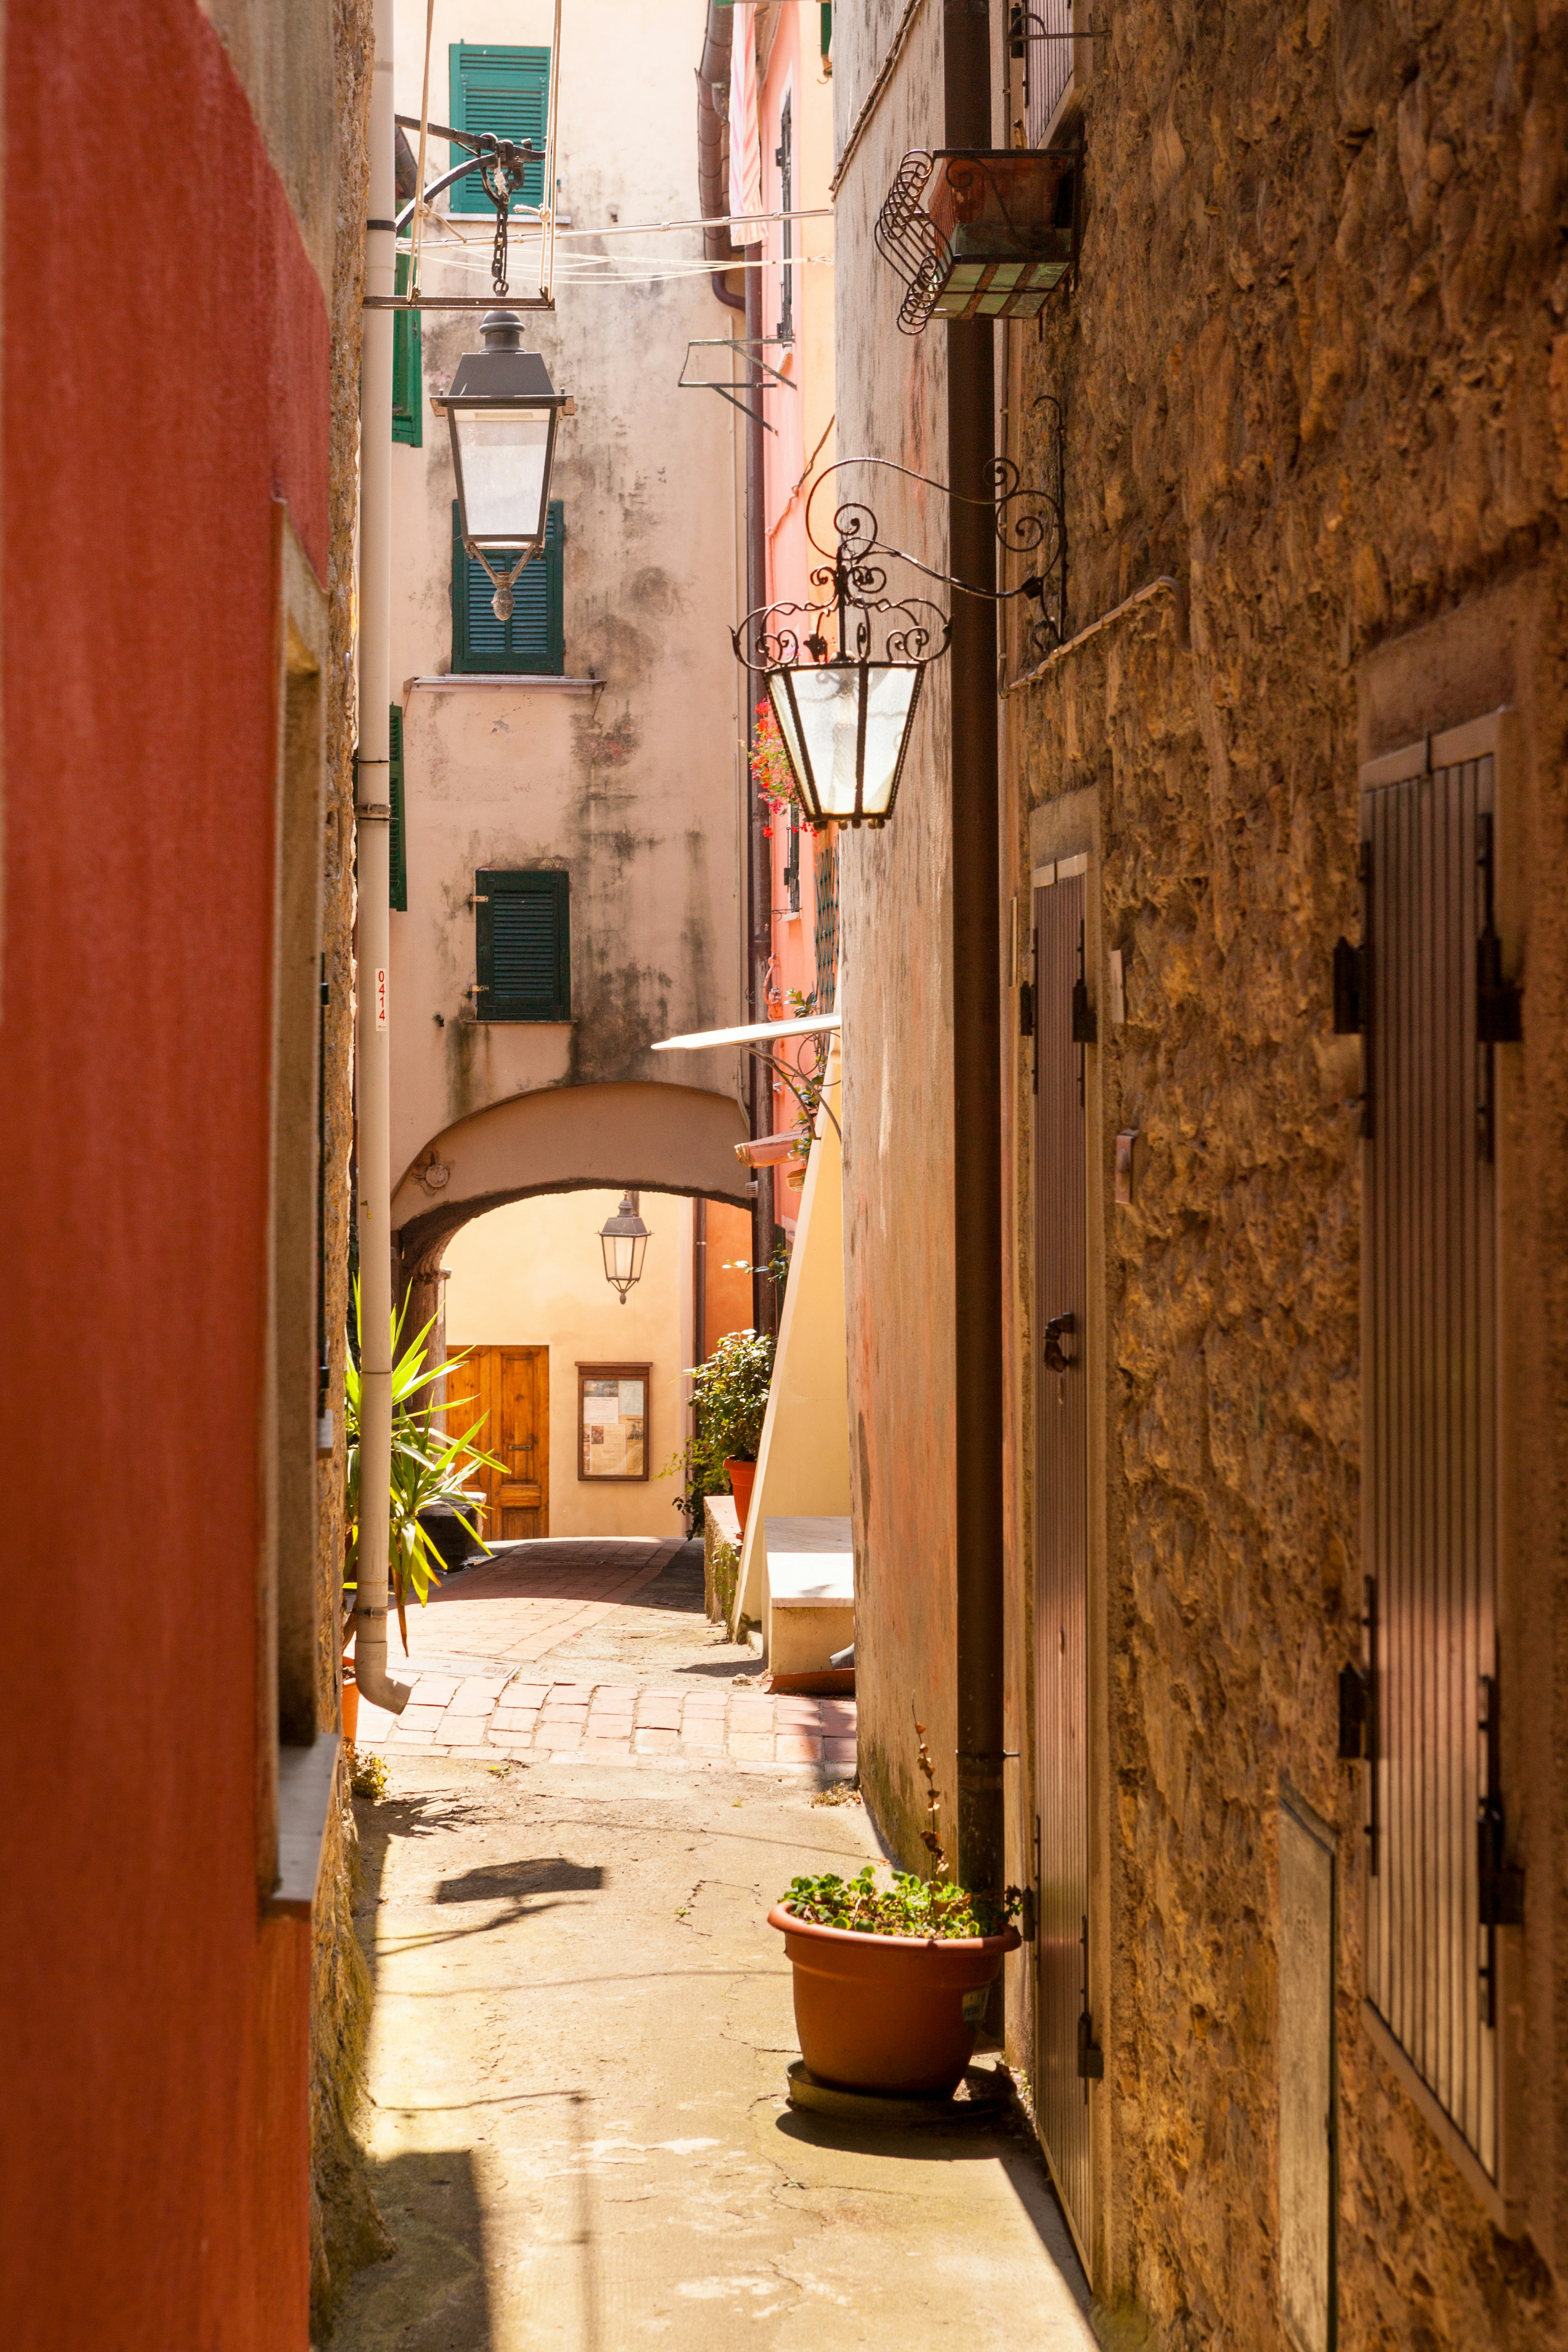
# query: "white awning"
[755,1034]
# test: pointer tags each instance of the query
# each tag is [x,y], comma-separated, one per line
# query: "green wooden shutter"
[407,370]
[397,847]
[506,90]
[523,945]
[533,642]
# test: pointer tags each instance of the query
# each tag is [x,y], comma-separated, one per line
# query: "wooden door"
[1067,2057]
[510,1386]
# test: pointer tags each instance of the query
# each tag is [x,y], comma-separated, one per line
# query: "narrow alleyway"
[577,2125]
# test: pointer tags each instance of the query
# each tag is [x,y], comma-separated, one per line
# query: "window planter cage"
[981,236]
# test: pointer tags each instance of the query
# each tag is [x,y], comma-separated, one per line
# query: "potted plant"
[730,1394]
[428,1468]
[891,1981]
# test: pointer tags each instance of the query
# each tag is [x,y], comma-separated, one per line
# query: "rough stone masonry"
[1315,373]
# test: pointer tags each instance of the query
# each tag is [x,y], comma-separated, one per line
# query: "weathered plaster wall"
[896,934]
[629,782]
[287,55]
[1312,370]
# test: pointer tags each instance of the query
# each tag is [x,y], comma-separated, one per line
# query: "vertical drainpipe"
[976,1022]
[713,196]
[759,894]
[373,823]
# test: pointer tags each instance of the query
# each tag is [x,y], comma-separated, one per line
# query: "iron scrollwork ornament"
[844,668]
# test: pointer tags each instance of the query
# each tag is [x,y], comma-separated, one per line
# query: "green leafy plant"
[933,1906]
[368,1775]
[428,1466]
[729,1395]
[776,1268]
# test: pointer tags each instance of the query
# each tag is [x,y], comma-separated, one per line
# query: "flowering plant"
[771,770]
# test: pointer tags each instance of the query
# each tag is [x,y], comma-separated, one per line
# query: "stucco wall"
[895,933]
[1308,372]
[155,2144]
[533,1275]
[630,782]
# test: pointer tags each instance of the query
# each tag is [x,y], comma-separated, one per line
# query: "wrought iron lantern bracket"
[843,670]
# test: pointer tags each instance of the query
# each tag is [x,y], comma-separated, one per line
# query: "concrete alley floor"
[577,2125]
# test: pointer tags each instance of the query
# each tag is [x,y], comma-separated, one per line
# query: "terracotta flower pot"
[742,1476]
[897,2014]
[351,1704]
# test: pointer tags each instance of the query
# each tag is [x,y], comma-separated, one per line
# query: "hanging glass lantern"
[501,410]
[623,1238]
[847,716]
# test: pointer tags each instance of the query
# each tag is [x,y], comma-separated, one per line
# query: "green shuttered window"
[407,370]
[397,847]
[506,90]
[533,642]
[523,945]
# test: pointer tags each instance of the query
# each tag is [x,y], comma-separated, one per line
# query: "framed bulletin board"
[612,1421]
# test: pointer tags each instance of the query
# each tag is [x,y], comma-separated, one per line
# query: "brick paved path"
[521,1604]
[513,1612]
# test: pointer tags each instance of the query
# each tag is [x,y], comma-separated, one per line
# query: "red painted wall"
[166,378]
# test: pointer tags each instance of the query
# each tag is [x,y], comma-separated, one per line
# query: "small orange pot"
[897,2014]
[743,1477]
[351,1704]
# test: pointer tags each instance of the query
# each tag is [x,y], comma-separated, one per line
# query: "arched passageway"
[655,1138]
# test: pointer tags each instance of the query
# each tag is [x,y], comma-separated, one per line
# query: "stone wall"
[346,2230]
[1314,372]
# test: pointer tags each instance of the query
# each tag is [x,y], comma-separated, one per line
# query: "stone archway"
[655,1138]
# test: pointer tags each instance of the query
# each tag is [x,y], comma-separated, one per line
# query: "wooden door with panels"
[1066,2056]
[510,1386]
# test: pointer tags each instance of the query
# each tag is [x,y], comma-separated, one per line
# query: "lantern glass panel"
[784,711]
[502,458]
[889,706]
[850,773]
[624,1257]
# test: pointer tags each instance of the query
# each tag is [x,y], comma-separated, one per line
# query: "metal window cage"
[981,235]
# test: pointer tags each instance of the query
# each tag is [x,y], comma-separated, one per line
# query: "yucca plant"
[428,1466]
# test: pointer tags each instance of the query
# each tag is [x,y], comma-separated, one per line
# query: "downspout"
[373,823]
[759,864]
[713,148]
[976,1025]
[713,200]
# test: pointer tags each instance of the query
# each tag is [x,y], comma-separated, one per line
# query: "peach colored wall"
[533,1275]
[803,443]
[728,1288]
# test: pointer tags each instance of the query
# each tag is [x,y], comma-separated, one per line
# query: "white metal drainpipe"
[372,814]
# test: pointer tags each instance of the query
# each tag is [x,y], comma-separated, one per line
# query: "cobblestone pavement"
[511,1618]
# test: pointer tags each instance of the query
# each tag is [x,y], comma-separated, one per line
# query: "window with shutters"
[824,944]
[407,370]
[1425,987]
[397,847]
[533,640]
[506,91]
[792,860]
[522,945]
